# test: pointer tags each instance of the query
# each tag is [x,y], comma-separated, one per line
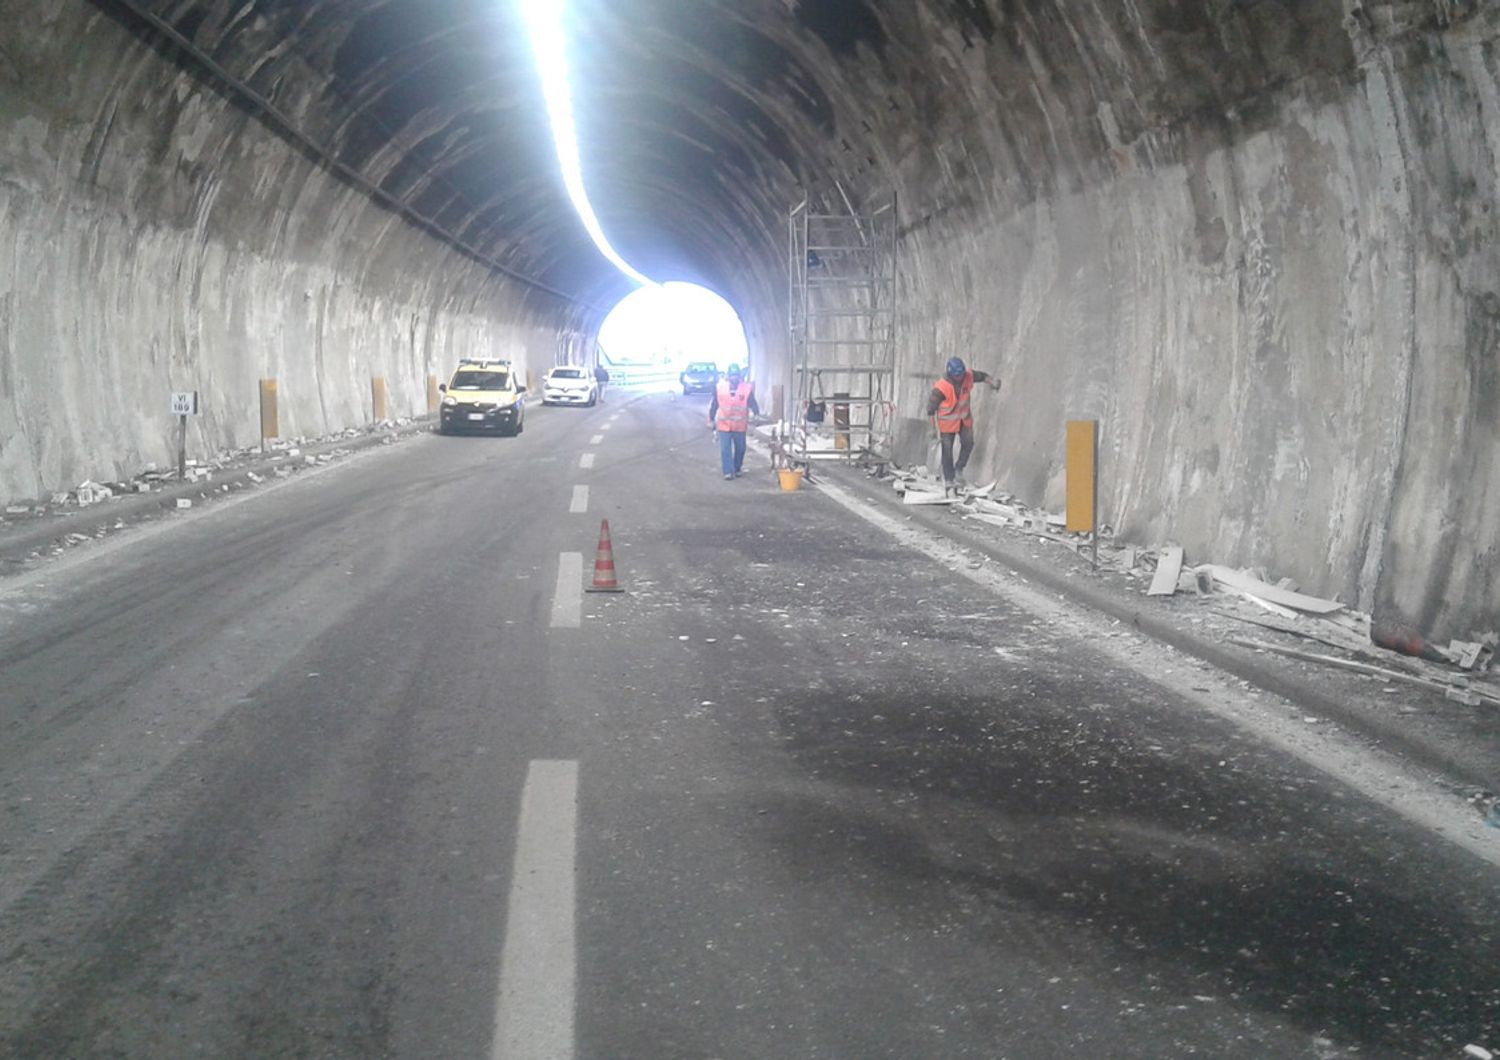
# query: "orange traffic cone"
[604,564]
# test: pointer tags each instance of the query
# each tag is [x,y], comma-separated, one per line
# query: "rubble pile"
[1460,670]
[285,456]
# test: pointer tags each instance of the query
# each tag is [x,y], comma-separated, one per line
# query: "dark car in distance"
[699,377]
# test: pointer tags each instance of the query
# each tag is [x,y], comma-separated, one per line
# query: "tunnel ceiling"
[701,121]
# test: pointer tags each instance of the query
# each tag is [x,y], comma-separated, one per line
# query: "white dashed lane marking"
[586,460]
[567,598]
[596,439]
[580,499]
[538,974]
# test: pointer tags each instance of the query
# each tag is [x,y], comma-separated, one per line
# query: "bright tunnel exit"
[654,332]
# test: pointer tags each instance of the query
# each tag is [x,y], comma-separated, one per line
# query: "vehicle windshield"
[567,373]
[700,367]
[481,381]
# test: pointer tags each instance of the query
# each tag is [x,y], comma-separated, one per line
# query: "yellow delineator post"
[433,396]
[377,397]
[840,422]
[1083,479]
[270,421]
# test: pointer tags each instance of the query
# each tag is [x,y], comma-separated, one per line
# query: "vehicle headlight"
[449,400]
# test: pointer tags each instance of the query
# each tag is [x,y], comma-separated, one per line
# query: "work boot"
[949,489]
[728,478]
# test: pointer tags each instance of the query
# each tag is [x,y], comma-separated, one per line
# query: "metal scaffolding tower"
[842,325]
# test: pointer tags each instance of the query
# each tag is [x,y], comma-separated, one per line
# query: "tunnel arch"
[1257,241]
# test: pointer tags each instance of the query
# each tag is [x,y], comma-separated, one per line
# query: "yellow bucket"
[791,478]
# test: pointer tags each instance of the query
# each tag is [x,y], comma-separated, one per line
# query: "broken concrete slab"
[989,507]
[1275,609]
[1466,654]
[1168,570]
[90,492]
[926,497]
[1308,627]
[1267,592]
[992,520]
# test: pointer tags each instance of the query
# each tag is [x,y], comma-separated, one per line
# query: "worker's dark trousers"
[965,436]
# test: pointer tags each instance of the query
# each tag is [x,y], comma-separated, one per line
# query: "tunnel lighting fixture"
[544,22]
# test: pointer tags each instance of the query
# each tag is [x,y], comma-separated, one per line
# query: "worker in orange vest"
[948,406]
[729,412]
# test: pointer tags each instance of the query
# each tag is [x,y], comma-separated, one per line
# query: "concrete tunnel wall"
[1258,242]
[1282,306]
[161,238]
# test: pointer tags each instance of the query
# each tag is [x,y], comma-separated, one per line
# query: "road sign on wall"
[184,402]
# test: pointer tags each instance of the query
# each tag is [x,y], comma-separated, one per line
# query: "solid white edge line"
[586,460]
[534,1007]
[580,502]
[567,598]
[1390,783]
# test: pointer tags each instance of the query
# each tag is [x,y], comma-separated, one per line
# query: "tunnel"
[1255,240]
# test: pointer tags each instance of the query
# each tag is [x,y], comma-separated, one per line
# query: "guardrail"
[641,375]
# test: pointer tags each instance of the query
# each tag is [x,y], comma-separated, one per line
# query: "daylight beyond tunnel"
[673,324]
[1256,242]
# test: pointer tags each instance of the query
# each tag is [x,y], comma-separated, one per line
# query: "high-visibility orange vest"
[954,412]
[734,407]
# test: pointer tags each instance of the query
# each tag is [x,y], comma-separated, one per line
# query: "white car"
[569,385]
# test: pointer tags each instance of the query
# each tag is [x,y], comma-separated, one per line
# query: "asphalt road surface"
[352,768]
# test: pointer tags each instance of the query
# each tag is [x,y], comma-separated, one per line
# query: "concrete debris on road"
[1457,689]
[153,477]
[1280,604]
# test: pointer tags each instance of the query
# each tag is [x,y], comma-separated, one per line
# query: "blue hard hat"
[956,367]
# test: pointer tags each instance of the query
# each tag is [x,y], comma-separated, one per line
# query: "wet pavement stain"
[1216,880]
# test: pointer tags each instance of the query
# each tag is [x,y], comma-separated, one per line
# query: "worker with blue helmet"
[948,407]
